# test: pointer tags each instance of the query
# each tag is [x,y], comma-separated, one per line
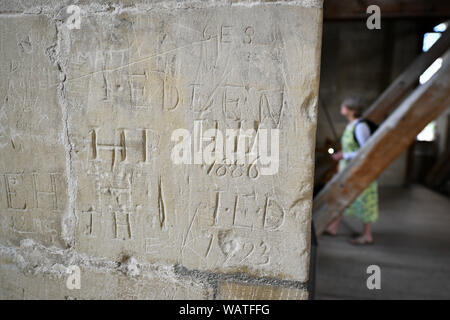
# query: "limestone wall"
[87,170]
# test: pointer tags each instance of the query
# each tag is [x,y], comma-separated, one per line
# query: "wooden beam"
[393,137]
[393,95]
[356,9]
[409,170]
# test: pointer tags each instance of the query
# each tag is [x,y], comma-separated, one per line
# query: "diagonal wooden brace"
[394,136]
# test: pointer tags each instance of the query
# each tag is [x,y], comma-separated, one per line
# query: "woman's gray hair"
[356,104]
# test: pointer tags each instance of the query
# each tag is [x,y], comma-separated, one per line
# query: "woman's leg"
[366,237]
[334,225]
[368,232]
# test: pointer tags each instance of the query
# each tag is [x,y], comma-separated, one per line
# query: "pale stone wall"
[87,177]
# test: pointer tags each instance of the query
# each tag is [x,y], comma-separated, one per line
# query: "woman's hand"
[338,156]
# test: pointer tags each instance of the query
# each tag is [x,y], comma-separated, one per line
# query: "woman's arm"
[362,133]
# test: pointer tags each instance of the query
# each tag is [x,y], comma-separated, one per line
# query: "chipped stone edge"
[111,8]
[33,258]
[213,279]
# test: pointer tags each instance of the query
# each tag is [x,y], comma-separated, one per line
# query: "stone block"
[90,140]
[239,291]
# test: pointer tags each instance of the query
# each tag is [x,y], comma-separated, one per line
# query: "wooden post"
[395,135]
[440,171]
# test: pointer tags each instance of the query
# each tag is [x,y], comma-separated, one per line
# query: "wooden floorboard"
[412,248]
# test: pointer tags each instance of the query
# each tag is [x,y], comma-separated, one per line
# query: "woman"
[365,207]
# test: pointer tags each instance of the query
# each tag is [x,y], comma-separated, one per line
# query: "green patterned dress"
[365,207]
